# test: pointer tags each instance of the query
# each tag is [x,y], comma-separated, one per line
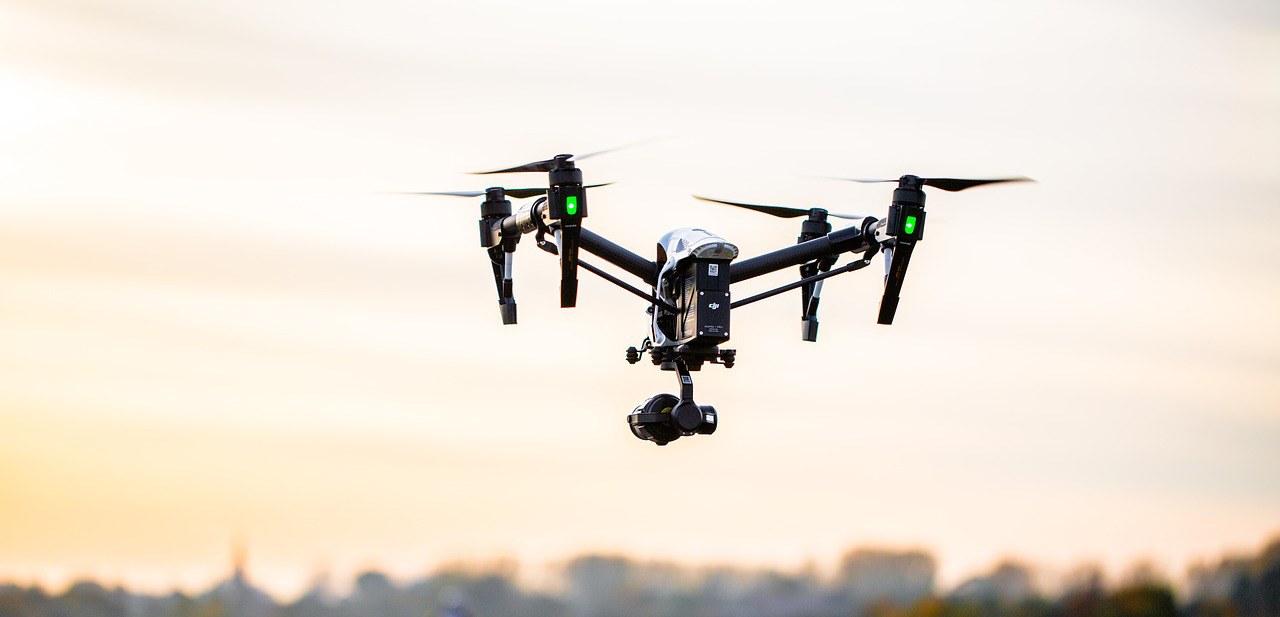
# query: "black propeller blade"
[551,163]
[546,165]
[566,207]
[950,184]
[905,225]
[517,193]
[779,211]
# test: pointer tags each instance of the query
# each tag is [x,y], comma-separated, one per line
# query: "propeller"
[566,206]
[905,226]
[560,159]
[949,184]
[779,211]
[501,248]
[517,193]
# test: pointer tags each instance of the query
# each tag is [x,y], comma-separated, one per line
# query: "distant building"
[898,577]
[236,597]
[1010,582]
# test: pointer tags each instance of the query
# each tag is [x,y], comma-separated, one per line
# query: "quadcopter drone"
[688,284]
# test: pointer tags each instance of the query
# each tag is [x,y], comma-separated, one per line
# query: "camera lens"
[710,420]
[651,420]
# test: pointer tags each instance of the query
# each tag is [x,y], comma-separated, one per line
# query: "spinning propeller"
[780,211]
[565,207]
[517,193]
[560,159]
[948,184]
[906,227]
[495,214]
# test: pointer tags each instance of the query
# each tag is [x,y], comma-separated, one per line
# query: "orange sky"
[214,323]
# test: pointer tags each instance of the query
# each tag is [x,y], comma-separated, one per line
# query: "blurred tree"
[599,586]
[869,583]
[316,602]
[1083,595]
[376,596]
[25,602]
[89,599]
[1266,574]
[1145,600]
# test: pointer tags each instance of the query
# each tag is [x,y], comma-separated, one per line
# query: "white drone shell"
[676,246]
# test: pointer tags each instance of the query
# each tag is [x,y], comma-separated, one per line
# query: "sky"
[218,322]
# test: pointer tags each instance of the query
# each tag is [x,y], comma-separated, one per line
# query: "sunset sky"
[216,322]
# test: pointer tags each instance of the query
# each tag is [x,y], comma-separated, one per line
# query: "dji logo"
[713,306]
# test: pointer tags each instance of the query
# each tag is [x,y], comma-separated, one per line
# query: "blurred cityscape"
[867,582]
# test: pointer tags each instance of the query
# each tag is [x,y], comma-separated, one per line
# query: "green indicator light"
[571,205]
[910,225]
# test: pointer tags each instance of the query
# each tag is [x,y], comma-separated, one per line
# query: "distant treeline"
[873,583]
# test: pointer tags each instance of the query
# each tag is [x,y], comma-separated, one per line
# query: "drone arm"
[849,239]
[780,259]
[531,218]
[857,265]
[649,297]
[597,245]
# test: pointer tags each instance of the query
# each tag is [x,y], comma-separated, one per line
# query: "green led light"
[571,205]
[910,225]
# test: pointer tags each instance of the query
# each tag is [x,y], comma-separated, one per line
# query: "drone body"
[689,294]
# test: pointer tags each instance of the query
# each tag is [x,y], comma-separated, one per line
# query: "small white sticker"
[710,419]
[686,379]
[713,270]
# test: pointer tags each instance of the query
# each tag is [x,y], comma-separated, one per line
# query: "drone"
[687,287]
